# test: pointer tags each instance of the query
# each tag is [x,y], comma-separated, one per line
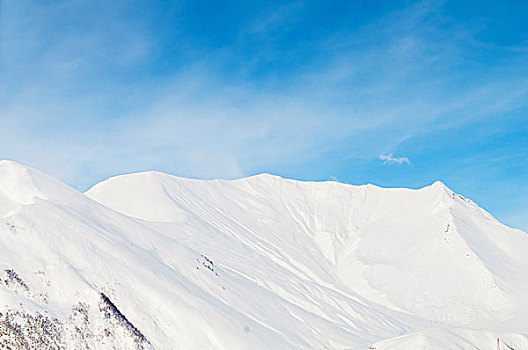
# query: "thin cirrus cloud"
[390,159]
[91,89]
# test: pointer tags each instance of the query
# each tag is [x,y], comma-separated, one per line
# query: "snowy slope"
[151,260]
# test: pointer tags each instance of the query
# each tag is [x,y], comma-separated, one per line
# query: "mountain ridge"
[258,262]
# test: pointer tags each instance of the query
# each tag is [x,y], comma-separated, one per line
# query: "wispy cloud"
[90,89]
[390,159]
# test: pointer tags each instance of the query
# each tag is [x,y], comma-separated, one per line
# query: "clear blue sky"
[395,93]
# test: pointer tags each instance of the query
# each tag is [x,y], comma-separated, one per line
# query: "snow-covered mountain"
[151,260]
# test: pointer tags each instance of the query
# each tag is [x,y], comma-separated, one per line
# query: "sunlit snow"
[151,260]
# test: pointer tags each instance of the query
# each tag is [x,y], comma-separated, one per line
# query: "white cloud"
[390,159]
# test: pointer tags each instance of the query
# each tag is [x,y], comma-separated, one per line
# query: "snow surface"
[258,263]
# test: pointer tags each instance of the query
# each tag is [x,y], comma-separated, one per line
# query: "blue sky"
[395,93]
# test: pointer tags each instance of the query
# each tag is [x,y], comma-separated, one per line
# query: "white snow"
[263,262]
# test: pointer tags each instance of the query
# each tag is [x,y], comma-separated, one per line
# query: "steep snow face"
[75,274]
[261,263]
[428,252]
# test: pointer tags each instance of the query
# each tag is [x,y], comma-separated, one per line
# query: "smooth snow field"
[154,261]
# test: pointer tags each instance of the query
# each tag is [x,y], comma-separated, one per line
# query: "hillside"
[151,260]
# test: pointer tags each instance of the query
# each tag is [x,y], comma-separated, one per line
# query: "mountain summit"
[151,260]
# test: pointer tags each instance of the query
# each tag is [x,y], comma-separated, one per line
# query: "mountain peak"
[17,186]
[439,188]
[10,169]
[20,185]
[263,177]
[438,183]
